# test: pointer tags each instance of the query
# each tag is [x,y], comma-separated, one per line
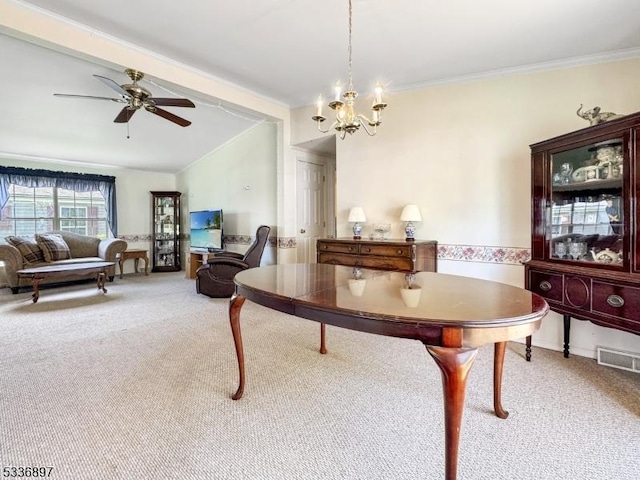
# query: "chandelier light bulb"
[338,90]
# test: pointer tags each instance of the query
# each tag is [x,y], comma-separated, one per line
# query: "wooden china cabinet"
[585,246]
[165,240]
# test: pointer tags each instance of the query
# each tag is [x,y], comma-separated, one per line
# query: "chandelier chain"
[350,77]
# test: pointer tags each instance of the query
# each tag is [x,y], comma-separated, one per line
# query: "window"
[38,210]
[36,201]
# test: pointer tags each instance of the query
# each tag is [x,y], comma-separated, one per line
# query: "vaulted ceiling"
[283,50]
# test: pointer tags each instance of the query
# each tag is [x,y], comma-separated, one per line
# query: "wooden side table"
[136,254]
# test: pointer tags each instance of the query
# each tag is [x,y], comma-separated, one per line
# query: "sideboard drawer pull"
[545,286]
[615,300]
[399,252]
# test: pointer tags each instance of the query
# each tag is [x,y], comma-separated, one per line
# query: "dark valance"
[78,182]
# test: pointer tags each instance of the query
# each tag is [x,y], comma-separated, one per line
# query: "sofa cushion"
[53,246]
[28,248]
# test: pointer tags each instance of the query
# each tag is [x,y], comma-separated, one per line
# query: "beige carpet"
[136,384]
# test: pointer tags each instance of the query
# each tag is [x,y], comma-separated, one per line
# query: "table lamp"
[410,214]
[356,215]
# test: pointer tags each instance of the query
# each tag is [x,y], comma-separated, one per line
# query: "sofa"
[17,253]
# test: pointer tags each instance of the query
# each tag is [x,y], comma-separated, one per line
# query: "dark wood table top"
[380,302]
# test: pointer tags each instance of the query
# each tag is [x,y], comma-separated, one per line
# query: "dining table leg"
[235,305]
[323,338]
[454,364]
[498,361]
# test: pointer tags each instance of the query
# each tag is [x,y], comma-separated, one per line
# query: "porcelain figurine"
[594,116]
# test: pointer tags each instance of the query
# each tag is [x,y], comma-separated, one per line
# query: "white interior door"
[311,208]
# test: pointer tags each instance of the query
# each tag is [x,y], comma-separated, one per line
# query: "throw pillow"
[28,248]
[53,246]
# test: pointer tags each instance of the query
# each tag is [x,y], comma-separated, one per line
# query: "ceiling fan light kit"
[136,97]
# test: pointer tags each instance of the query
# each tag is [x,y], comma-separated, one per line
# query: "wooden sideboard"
[400,255]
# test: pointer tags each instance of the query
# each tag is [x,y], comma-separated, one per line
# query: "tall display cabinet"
[585,246]
[165,241]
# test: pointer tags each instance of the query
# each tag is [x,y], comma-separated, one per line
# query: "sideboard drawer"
[385,263]
[338,247]
[547,285]
[615,300]
[332,258]
[386,250]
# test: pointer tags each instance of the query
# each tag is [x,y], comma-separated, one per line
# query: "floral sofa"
[17,253]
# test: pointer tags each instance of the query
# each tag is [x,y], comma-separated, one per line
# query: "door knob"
[302,230]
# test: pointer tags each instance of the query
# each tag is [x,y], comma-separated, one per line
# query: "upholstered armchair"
[215,278]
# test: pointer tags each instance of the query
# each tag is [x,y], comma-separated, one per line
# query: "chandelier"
[347,120]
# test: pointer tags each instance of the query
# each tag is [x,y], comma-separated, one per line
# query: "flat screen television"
[205,229]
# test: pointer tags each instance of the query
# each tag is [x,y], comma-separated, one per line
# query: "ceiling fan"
[136,97]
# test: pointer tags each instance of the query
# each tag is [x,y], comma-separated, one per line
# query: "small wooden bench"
[65,270]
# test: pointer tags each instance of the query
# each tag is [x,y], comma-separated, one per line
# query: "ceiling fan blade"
[119,100]
[172,102]
[125,115]
[170,116]
[114,86]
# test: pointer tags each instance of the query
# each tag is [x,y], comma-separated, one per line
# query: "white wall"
[461,152]
[241,178]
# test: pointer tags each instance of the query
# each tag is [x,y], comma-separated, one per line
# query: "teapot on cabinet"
[606,256]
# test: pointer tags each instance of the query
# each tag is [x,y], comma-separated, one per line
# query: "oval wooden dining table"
[451,315]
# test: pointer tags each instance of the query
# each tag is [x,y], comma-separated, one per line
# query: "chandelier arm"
[333,125]
[366,128]
[371,123]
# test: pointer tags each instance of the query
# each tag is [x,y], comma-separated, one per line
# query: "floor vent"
[618,359]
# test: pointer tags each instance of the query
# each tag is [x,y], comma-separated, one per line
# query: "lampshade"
[410,213]
[356,214]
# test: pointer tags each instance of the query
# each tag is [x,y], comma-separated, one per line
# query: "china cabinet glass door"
[587,220]
[166,231]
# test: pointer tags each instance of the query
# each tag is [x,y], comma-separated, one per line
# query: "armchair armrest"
[238,256]
[12,259]
[223,268]
[109,248]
